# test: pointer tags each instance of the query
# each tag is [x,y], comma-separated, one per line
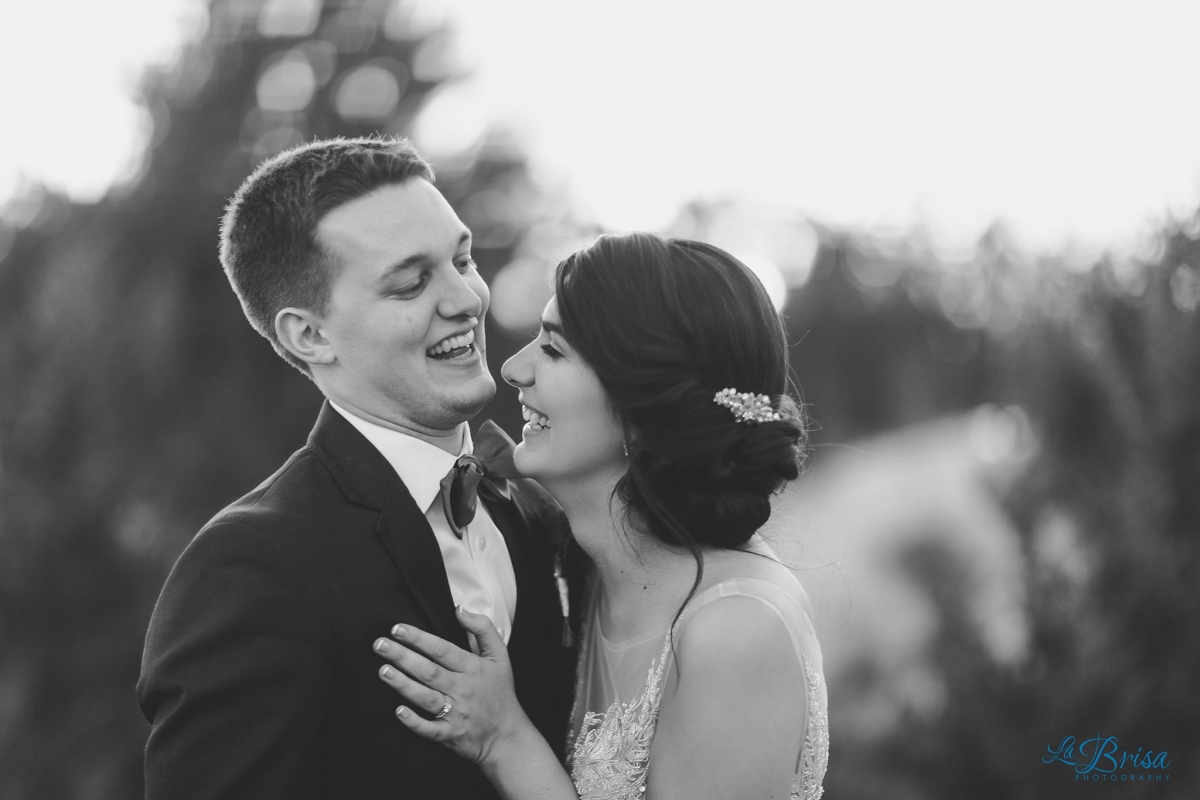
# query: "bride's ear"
[302,334]
[629,438]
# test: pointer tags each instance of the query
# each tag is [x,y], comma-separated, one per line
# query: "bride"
[658,418]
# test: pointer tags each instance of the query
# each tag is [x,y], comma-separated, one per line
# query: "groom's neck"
[450,440]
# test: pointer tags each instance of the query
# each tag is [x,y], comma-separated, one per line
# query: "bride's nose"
[517,371]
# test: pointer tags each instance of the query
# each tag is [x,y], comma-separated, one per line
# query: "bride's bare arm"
[483,721]
[524,766]
[733,724]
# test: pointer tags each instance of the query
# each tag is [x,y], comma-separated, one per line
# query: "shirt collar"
[419,464]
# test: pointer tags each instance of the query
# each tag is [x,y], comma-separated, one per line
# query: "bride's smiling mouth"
[459,345]
[537,421]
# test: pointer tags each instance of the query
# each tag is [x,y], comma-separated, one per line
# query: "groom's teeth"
[452,343]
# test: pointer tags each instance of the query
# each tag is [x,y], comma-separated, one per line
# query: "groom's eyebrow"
[417,259]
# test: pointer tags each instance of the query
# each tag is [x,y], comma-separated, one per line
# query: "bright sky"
[1073,120]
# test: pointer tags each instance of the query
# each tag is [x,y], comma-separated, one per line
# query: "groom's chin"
[472,398]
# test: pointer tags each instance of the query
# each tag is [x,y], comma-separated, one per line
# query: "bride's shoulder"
[730,622]
[739,648]
[749,608]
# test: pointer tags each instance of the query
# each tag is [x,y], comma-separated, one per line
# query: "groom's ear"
[300,331]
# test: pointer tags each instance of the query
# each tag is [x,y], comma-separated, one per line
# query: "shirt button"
[481,542]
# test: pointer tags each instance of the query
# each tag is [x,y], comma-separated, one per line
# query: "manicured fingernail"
[385,671]
[381,645]
[402,712]
[462,610]
[399,632]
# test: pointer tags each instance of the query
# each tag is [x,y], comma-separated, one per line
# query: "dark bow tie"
[485,471]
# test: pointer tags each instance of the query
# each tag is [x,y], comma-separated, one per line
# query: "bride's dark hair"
[666,324]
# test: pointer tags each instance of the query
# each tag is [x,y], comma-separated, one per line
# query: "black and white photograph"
[624,400]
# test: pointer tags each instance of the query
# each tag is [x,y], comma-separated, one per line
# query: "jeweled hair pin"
[747,407]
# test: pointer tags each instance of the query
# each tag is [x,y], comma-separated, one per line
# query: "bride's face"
[571,431]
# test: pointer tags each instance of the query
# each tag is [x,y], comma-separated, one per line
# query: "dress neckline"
[625,644]
[619,647]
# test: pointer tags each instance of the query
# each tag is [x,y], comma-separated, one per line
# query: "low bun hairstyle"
[666,324]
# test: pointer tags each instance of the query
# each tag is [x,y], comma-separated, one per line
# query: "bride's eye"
[550,351]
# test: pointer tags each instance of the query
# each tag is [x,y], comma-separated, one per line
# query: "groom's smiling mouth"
[456,346]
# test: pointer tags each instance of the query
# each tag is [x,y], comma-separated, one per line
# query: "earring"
[625,447]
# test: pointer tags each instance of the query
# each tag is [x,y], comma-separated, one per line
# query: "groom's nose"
[463,295]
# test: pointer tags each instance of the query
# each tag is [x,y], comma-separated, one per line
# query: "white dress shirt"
[478,566]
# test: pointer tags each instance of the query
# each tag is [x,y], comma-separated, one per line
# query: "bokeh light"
[1185,288]
[519,293]
[287,82]
[771,277]
[294,18]
[453,122]
[372,91]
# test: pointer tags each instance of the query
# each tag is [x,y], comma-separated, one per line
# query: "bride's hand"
[433,675]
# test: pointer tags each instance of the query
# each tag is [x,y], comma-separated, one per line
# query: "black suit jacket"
[258,675]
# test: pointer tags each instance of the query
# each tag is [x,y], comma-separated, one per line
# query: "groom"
[258,675]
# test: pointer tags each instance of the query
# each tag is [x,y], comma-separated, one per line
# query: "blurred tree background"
[137,402]
[1100,368]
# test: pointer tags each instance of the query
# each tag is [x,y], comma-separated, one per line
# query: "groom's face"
[405,318]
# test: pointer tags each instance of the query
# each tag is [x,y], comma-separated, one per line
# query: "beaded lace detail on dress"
[814,756]
[609,757]
[612,751]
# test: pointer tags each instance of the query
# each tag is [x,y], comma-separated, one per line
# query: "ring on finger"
[446,706]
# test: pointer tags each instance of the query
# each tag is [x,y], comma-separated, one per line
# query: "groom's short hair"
[269,247]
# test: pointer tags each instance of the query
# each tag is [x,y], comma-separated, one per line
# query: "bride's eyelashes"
[551,352]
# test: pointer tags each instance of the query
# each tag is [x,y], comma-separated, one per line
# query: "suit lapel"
[414,550]
[510,522]
[367,479]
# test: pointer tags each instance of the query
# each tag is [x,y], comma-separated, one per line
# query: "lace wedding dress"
[620,686]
